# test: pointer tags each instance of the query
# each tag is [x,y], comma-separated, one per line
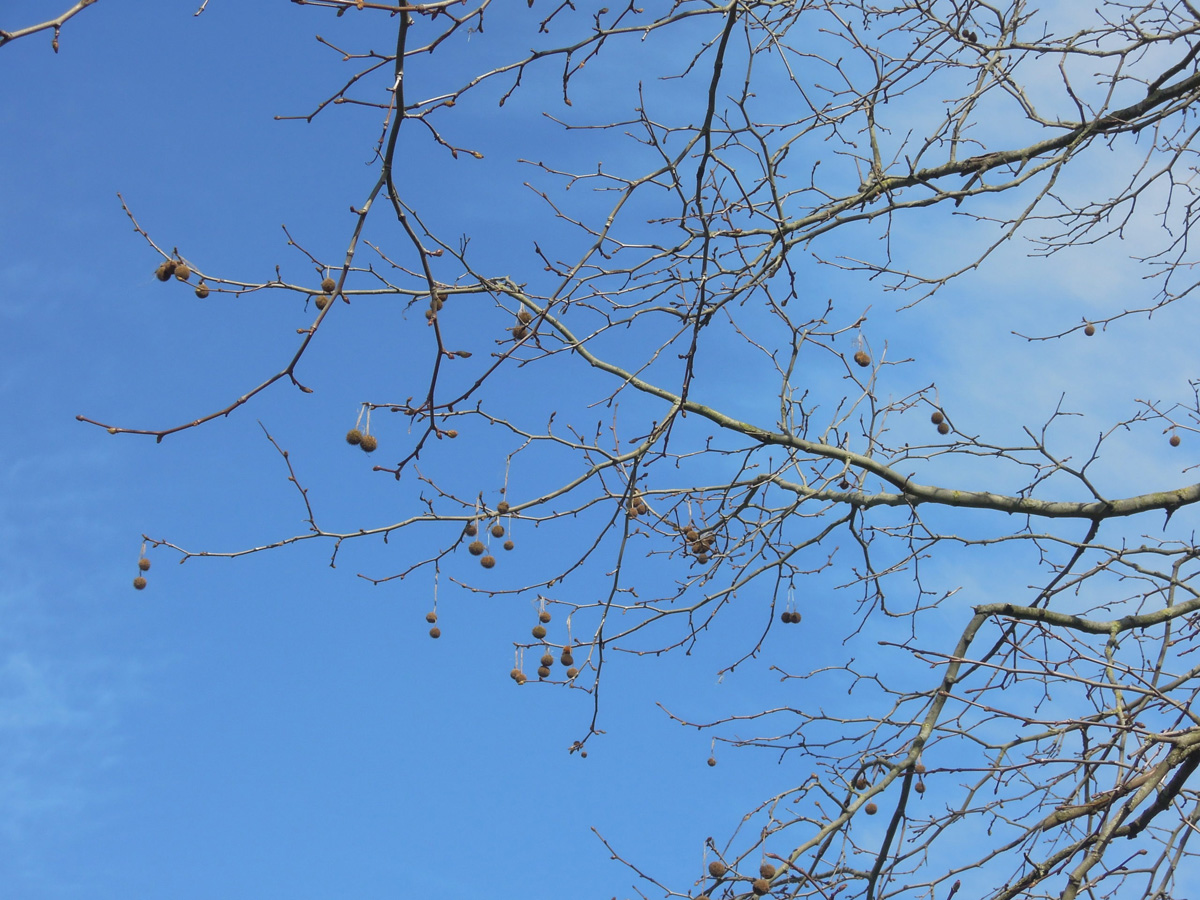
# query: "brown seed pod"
[183,272]
[369,443]
[139,582]
[861,782]
[1175,441]
[539,631]
[699,546]
[691,535]
[322,301]
[165,270]
[429,314]
[572,672]
[795,617]
[508,545]
[471,530]
[202,290]
[567,659]
[919,768]
[862,358]
[766,870]
[354,437]
[519,332]
[712,761]
[944,428]
[702,558]
[488,561]
[919,787]
[524,316]
[435,632]
[641,506]
[844,485]
[760,886]
[1089,329]
[522,679]
[583,754]
[938,417]
[497,530]
[786,617]
[144,564]
[547,659]
[431,617]
[544,616]
[716,868]
[516,674]
[543,672]
[328,284]
[870,809]
[476,548]
[502,507]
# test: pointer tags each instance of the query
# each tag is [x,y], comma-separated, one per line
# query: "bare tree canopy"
[722,320]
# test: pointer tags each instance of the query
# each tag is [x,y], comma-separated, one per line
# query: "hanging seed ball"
[640,507]
[476,548]
[938,417]
[543,672]
[862,358]
[502,507]
[572,672]
[435,632]
[471,530]
[844,484]
[202,290]
[431,617]
[508,545]
[369,444]
[139,582]
[524,317]
[183,272]
[519,332]
[712,761]
[583,754]
[1175,441]
[920,787]
[354,437]
[760,886]
[699,546]
[716,868]
[702,558]
[1089,329]
[488,561]
[691,535]
[144,564]
[547,659]
[944,428]
[861,782]
[328,284]
[165,270]
[497,530]
[919,768]
[429,314]
[539,631]
[322,301]
[544,616]
[766,870]
[516,674]
[870,809]
[795,617]
[522,679]
[567,659]
[786,617]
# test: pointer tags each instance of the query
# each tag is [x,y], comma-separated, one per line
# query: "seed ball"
[861,783]
[476,548]
[844,485]
[862,358]
[139,582]
[369,443]
[165,271]
[1175,441]
[716,868]
[702,558]
[944,428]
[699,547]
[870,809]
[712,761]
[795,618]
[519,332]
[567,659]
[471,530]
[547,660]
[583,754]
[522,679]
[354,437]
[429,314]
[183,272]
[488,561]
[641,507]
[920,787]
[322,301]
[691,535]
[431,617]
[516,674]
[539,631]
[938,417]
[144,564]
[497,530]
[327,285]
[766,870]
[786,617]
[543,672]
[919,768]
[544,616]
[1089,329]
[572,672]
[502,507]
[508,545]
[202,290]
[435,632]
[524,317]
[760,886]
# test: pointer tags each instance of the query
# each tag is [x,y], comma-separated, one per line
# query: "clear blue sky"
[274,727]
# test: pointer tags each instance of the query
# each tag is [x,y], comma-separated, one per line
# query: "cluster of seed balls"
[366,442]
[478,548]
[524,317]
[939,419]
[140,581]
[326,295]
[567,657]
[760,885]
[700,545]
[180,270]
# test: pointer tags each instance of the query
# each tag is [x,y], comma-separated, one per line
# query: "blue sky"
[274,726]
